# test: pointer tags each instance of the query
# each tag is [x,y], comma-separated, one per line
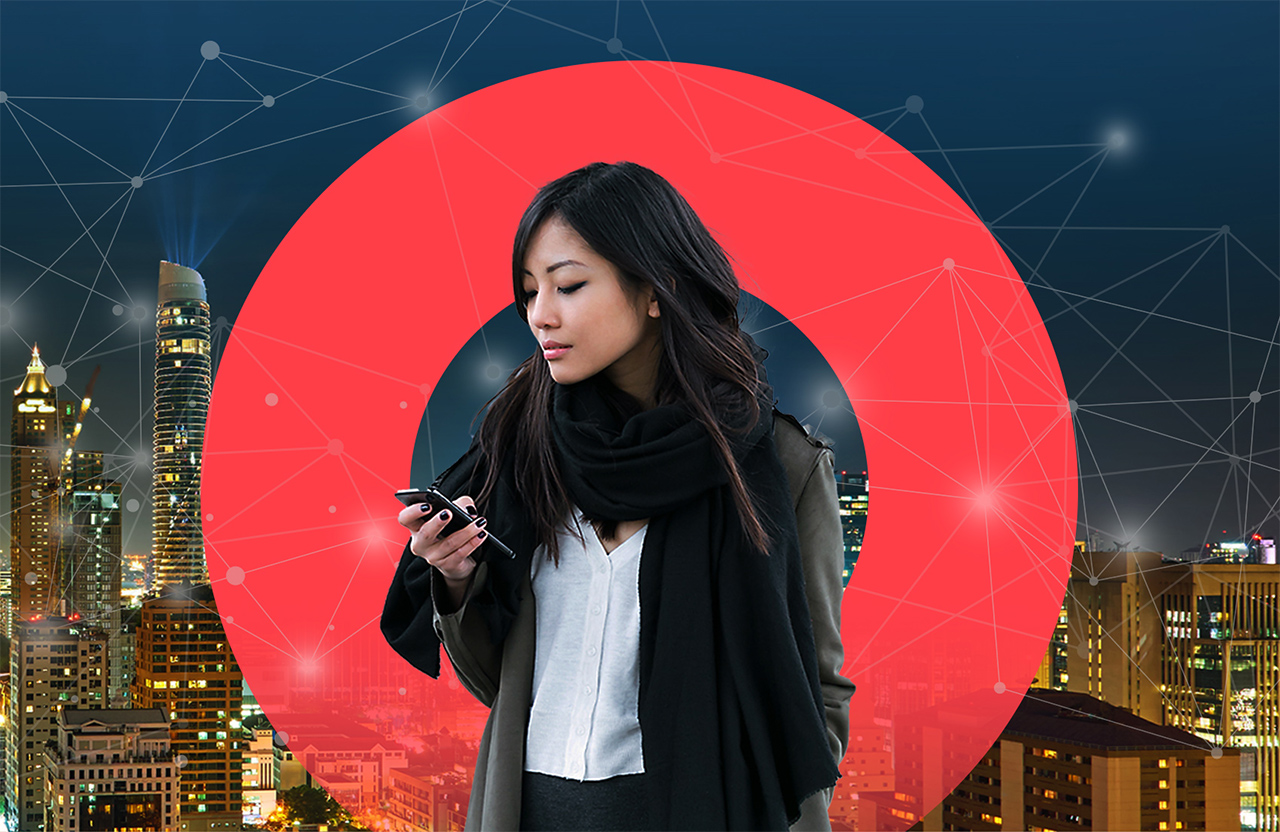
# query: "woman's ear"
[654,311]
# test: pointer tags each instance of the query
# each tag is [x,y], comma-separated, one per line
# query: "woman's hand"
[450,555]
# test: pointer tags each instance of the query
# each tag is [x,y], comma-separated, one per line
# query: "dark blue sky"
[1193,86]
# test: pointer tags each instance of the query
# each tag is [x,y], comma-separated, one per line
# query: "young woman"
[664,650]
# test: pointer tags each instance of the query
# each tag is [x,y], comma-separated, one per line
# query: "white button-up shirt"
[584,720]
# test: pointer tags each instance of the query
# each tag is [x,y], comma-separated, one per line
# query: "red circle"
[883,267]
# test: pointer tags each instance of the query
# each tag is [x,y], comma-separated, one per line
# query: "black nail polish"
[472,510]
[444,515]
[482,521]
[425,506]
[482,535]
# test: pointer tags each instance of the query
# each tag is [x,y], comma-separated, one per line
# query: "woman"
[649,654]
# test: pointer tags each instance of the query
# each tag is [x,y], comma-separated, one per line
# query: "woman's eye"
[569,290]
[527,296]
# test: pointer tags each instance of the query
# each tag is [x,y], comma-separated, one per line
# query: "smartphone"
[458,520]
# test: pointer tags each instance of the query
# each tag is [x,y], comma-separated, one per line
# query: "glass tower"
[183,385]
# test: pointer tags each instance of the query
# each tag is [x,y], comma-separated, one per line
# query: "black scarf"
[730,707]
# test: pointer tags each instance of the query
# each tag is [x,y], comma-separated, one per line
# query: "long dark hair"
[636,220]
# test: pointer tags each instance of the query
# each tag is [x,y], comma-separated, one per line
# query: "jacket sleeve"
[822,556]
[476,661]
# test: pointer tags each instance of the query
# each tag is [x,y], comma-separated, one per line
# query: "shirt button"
[587,689]
[591,651]
[582,731]
[595,610]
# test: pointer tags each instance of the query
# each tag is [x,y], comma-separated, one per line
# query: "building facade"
[111,770]
[184,666]
[55,664]
[182,388]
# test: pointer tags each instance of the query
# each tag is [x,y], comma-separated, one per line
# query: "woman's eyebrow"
[557,265]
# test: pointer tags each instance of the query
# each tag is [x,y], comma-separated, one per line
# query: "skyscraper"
[183,385]
[90,560]
[40,426]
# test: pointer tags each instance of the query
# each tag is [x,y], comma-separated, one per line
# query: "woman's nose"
[542,313]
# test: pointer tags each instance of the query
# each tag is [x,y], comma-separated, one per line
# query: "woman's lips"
[555,352]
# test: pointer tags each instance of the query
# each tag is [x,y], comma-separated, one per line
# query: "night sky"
[1163,323]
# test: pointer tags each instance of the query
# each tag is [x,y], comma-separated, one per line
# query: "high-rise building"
[111,770]
[183,384]
[90,560]
[1191,645]
[851,490]
[1069,761]
[55,663]
[185,667]
[41,425]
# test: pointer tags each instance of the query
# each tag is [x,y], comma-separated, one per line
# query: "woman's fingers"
[450,554]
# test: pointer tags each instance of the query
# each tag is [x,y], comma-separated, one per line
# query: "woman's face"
[585,320]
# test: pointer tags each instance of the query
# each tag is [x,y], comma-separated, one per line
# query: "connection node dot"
[1117,140]
[30,578]
[493,371]
[222,321]
[268,101]
[614,46]
[832,398]
[181,760]
[209,50]
[999,687]
[1217,753]
[284,736]
[117,310]
[333,509]
[1093,580]
[235,576]
[208,518]
[231,619]
[1255,397]
[4,96]
[95,408]
[182,723]
[74,699]
[272,399]
[860,153]
[1233,459]
[915,104]
[424,389]
[1082,651]
[404,405]
[422,101]
[140,313]
[986,351]
[131,505]
[335,446]
[715,158]
[55,374]
[948,263]
[136,182]
[403,691]
[1073,405]
[331,628]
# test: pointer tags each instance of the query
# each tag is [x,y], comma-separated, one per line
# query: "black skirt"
[554,803]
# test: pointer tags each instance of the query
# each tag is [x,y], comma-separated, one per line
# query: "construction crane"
[58,477]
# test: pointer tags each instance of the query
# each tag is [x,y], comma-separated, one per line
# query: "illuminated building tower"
[1191,645]
[6,603]
[111,769]
[1220,669]
[183,385]
[55,663]
[90,559]
[41,424]
[1069,761]
[851,490]
[1113,632]
[185,667]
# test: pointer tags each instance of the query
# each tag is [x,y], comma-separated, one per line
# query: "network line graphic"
[1164,320]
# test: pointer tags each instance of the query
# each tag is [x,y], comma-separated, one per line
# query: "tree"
[309,805]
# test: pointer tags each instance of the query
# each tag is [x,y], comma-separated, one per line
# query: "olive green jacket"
[502,677]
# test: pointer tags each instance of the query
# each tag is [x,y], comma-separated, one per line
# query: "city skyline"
[1126,164]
